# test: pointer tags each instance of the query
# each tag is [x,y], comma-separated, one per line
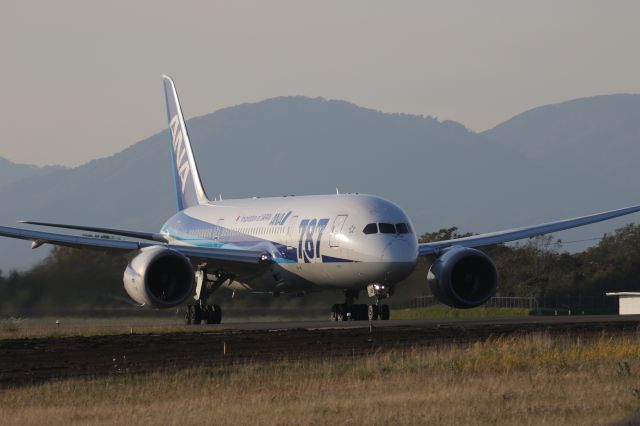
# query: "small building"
[628,302]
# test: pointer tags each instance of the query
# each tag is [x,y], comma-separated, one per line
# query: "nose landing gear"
[379,311]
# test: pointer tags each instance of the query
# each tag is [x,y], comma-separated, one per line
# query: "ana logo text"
[182,160]
[280,218]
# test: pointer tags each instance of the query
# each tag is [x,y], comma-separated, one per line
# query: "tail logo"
[182,160]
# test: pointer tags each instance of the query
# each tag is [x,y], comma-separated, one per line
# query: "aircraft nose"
[399,251]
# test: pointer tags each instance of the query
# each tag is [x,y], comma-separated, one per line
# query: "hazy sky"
[81,79]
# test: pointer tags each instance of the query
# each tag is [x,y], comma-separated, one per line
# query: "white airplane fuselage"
[316,241]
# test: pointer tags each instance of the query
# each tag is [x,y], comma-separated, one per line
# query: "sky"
[81,79]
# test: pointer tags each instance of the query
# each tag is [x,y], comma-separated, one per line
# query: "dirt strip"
[26,361]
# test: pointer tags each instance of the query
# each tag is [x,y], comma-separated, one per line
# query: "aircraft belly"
[277,279]
[350,274]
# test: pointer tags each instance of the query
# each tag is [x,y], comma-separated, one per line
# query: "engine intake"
[159,277]
[463,278]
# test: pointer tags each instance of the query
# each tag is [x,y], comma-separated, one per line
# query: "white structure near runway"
[628,302]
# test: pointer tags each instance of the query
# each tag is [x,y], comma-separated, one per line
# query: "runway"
[24,361]
[427,323]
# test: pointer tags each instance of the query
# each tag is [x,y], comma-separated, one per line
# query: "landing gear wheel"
[217,314]
[373,312]
[212,314]
[187,314]
[209,314]
[340,314]
[196,317]
[384,312]
[334,313]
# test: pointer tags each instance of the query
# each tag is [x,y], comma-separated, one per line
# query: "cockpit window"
[371,228]
[402,228]
[387,228]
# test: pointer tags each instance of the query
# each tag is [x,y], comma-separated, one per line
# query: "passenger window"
[387,228]
[402,228]
[371,228]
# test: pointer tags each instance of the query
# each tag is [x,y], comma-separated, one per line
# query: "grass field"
[12,328]
[442,311]
[17,328]
[531,379]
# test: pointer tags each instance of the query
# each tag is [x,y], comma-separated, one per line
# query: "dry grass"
[533,379]
[37,327]
[20,328]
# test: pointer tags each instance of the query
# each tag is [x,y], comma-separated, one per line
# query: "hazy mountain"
[11,172]
[439,172]
[598,136]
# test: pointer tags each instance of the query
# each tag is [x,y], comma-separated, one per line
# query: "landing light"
[377,290]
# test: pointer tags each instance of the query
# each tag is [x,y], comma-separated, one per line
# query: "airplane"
[291,244]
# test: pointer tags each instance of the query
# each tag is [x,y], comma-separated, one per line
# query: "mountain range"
[552,162]
[11,172]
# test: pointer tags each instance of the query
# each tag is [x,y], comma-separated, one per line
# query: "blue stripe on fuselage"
[199,233]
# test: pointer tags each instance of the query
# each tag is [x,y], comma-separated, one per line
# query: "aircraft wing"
[130,234]
[525,232]
[239,258]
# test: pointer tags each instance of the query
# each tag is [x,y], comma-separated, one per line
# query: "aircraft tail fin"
[187,180]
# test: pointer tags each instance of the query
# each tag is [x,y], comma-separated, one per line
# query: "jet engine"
[463,277]
[159,277]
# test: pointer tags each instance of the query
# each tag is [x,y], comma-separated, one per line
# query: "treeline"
[85,279]
[574,281]
[66,279]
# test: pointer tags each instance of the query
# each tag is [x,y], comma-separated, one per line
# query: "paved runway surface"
[458,322]
[24,361]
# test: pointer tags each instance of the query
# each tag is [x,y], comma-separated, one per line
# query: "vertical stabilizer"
[188,185]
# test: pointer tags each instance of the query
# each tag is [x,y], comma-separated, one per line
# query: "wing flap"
[41,237]
[524,232]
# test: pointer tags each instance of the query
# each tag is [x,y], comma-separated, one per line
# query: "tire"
[187,315]
[340,314]
[385,312]
[373,312]
[209,315]
[217,314]
[334,313]
[196,318]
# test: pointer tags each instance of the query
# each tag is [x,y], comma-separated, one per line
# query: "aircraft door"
[336,229]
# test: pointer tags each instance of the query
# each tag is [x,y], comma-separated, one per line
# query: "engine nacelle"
[159,277]
[463,277]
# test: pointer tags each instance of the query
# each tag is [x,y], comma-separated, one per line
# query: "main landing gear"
[194,314]
[199,311]
[350,311]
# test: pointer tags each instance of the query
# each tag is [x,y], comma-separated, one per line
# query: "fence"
[546,305]
[494,302]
